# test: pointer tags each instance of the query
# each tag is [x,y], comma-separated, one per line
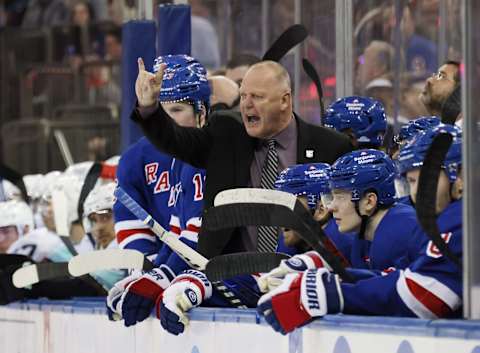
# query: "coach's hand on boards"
[148,85]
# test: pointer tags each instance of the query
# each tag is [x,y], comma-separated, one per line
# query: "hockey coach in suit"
[233,153]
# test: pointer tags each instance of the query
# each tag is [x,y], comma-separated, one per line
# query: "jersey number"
[198,182]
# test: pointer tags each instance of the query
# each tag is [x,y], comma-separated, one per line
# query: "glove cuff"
[321,293]
[199,280]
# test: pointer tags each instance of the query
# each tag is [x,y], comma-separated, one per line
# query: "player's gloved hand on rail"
[300,298]
[115,293]
[295,264]
[188,290]
[139,297]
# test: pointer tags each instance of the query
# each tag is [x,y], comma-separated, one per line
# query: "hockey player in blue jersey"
[163,186]
[362,119]
[406,133]
[430,287]
[364,202]
[143,171]
[364,205]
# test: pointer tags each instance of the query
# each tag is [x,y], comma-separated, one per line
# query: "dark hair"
[457,75]
[242,59]
[115,32]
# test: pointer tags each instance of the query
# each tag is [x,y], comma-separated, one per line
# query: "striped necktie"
[267,236]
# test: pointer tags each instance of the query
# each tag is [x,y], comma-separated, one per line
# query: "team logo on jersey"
[162,181]
[151,172]
[433,251]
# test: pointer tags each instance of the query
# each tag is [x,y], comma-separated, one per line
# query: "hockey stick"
[243,207]
[244,263]
[427,193]
[312,73]
[190,256]
[82,265]
[228,266]
[13,259]
[290,38]
[109,259]
[32,274]
[89,183]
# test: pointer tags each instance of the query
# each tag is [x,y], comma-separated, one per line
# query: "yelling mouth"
[251,119]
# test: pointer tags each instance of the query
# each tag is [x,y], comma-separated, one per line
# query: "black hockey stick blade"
[452,106]
[289,39]
[13,259]
[312,73]
[227,266]
[15,178]
[89,183]
[32,274]
[257,214]
[427,193]
[277,211]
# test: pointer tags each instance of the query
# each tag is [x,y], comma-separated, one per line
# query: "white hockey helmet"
[34,183]
[101,198]
[11,191]
[79,170]
[16,213]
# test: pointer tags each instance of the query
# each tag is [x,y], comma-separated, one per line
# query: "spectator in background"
[113,44]
[375,62]
[420,52]
[41,13]
[82,13]
[440,86]
[238,65]
[204,36]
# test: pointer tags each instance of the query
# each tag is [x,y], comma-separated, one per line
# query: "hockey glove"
[188,290]
[295,264]
[300,298]
[140,295]
[115,293]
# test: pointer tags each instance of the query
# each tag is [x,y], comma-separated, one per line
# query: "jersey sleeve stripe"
[128,233]
[192,236]
[426,296]
[175,230]
[130,224]
[131,241]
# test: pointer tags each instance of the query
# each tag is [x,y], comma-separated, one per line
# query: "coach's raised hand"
[148,85]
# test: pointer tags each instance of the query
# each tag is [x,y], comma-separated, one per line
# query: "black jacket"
[226,151]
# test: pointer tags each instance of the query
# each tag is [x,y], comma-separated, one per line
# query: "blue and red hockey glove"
[300,298]
[188,290]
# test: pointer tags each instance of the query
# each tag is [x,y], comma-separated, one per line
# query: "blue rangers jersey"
[145,174]
[430,287]
[187,194]
[395,244]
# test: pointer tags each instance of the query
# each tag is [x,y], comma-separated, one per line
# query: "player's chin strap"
[365,218]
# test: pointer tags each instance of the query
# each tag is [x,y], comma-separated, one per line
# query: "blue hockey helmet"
[365,116]
[184,79]
[413,153]
[310,179]
[415,126]
[365,170]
